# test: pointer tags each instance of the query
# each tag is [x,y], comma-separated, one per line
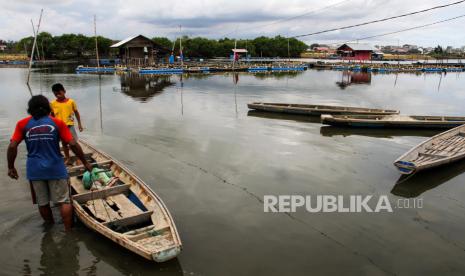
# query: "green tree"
[163,42]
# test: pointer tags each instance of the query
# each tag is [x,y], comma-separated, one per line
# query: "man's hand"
[13,173]
[80,128]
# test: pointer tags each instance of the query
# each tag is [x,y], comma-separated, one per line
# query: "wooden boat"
[129,212]
[393,121]
[316,110]
[441,149]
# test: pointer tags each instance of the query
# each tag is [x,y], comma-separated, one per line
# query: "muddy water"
[195,143]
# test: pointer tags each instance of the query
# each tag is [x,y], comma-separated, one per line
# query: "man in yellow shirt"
[65,109]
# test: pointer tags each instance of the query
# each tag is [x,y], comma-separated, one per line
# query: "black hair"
[57,87]
[38,106]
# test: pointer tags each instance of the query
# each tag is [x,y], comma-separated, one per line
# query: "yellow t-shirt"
[64,111]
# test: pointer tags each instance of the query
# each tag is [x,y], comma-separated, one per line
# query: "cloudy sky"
[119,19]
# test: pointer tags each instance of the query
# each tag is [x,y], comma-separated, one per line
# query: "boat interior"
[329,107]
[440,149]
[125,207]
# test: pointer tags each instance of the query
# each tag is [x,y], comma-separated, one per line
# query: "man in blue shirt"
[45,166]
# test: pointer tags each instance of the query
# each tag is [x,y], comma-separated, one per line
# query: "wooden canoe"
[441,149]
[129,212]
[393,121]
[316,110]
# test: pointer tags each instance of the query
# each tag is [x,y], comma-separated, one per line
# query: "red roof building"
[355,51]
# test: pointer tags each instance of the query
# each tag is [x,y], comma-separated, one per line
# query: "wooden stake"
[96,44]
[33,48]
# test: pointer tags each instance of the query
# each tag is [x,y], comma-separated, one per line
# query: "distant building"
[377,55]
[428,50]
[355,51]
[137,50]
[410,47]
[2,46]
[237,53]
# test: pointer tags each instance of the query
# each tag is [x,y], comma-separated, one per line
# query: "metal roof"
[359,46]
[122,42]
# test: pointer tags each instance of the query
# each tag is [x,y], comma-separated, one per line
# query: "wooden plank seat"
[74,158]
[77,170]
[100,194]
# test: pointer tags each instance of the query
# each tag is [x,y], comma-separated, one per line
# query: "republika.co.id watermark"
[339,203]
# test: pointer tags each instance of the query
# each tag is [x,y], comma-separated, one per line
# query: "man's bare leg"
[66,152]
[46,214]
[66,210]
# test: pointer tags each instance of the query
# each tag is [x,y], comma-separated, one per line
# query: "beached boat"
[316,110]
[114,202]
[393,121]
[441,149]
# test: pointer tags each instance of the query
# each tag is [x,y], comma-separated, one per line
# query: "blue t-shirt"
[42,137]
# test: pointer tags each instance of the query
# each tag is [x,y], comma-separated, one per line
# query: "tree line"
[77,46]
[259,47]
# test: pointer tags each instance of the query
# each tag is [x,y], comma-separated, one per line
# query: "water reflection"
[414,186]
[330,131]
[143,87]
[350,78]
[283,116]
[56,247]
[83,252]
[277,75]
[122,260]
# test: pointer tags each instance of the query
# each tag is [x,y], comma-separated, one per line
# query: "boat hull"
[315,110]
[167,235]
[442,149]
[369,122]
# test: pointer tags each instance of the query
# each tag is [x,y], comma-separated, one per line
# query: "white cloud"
[215,18]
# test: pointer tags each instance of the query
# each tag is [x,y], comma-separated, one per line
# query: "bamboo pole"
[36,35]
[33,48]
[180,46]
[96,44]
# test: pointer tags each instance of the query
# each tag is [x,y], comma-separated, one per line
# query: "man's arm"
[11,154]
[78,117]
[76,148]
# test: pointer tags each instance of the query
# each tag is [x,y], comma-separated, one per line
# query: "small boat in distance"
[393,121]
[441,149]
[316,110]
[114,202]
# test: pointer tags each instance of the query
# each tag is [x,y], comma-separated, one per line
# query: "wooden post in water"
[96,44]
[33,48]
[288,52]
[36,34]
[181,55]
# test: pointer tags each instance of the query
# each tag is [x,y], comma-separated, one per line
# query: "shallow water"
[211,160]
